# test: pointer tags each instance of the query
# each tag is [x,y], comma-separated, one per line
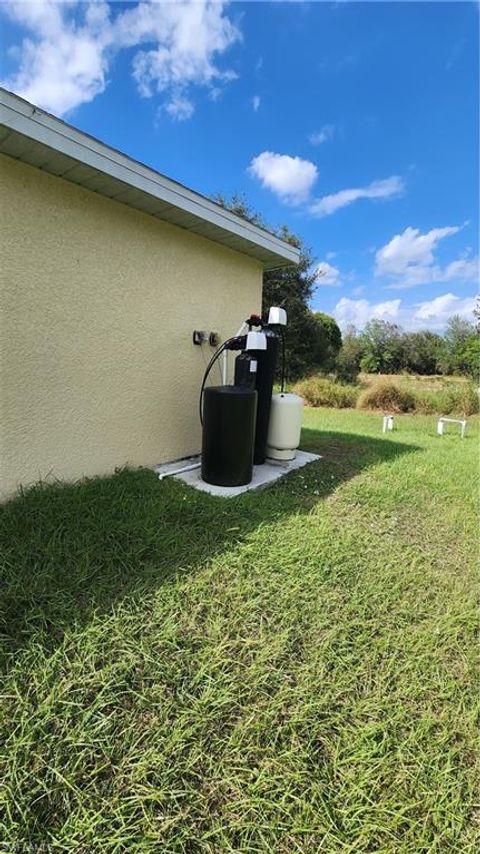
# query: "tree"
[469,357]
[476,314]
[458,331]
[307,342]
[382,346]
[348,359]
[422,351]
[239,205]
[371,363]
[331,338]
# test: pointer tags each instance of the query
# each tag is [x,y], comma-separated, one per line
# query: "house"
[107,267]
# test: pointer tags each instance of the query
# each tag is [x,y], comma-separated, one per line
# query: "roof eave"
[38,138]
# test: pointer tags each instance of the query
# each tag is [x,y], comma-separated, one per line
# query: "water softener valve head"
[277,316]
[256,341]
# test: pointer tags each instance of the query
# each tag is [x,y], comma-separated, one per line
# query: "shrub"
[461,399]
[320,391]
[428,402]
[387,396]
[452,399]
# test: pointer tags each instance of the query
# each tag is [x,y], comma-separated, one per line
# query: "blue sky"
[354,123]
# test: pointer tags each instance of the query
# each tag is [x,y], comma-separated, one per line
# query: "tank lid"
[288,397]
[277,316]
[238,391]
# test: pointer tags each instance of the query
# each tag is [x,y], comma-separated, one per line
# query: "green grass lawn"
[289,671]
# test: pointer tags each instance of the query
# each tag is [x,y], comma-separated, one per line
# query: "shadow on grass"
[72,549]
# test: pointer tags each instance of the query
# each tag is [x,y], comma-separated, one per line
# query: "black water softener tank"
[229,414]
[266,364]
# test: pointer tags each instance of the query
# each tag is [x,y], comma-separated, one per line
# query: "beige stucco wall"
[98,303]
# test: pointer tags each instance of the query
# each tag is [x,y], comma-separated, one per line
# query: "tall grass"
[452,399]
[442,396]
[321,391]
[388,396]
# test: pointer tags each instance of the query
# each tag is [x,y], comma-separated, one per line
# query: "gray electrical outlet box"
[199,337]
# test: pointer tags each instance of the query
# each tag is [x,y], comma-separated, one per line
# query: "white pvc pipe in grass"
[190,467]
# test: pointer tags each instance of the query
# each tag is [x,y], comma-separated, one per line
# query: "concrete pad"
[263,476]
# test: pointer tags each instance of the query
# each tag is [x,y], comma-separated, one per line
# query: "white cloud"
[64,62]
[256,101]
[65,59]
[323,135]
[410,248]
[327,274]
[409,258]
[291,178]
[460,270]
[463,269]
[187,36]
[385,189]
[359,312]
[432,314]
[215,93]
[437,311]
[180,108]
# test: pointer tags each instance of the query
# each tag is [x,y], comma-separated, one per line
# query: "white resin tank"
[284,426]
